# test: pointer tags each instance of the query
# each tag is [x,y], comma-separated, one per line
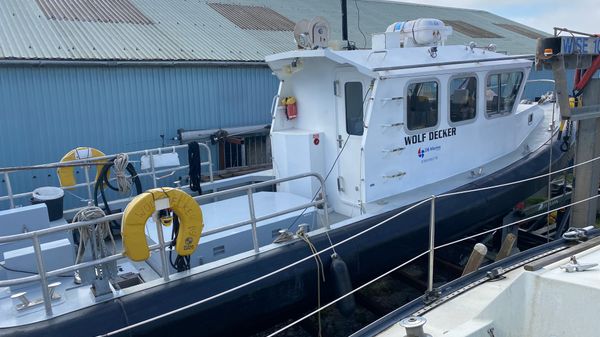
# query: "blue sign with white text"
[580,45]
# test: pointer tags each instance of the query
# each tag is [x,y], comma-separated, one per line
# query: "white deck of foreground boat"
[546,303]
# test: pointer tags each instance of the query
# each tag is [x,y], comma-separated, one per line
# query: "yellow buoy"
[66,175]
[141,208]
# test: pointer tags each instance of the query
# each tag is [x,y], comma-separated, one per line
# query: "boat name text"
[432,135]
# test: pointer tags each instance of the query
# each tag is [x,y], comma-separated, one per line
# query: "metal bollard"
[414,326]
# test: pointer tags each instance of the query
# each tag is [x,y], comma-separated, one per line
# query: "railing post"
[153,170]
[210,168]
[253,219]
[86,170]
[324,199]
[163,254]
[431,244]
[9,191]
[42,272]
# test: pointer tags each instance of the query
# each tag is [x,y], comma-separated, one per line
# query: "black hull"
[294,290]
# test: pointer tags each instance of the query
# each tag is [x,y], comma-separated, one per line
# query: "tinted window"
[353,92]
[463,98]
[501,92]
[422,105]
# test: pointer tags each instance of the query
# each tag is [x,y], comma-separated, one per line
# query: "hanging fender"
[66,175]
[141,208]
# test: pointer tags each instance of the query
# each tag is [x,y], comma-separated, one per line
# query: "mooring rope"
[320,271]
[86,233]
[123,181]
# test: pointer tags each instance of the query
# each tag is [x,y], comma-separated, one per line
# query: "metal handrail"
[429,252]
[43,275]
[86,162]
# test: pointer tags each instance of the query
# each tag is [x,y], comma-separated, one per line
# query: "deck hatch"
[106,11]
[253,17]
[471,30]
[520,30]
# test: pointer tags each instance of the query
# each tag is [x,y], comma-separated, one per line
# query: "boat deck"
[546,302]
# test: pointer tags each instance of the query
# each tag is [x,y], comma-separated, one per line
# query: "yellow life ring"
[66,175]
[143,206]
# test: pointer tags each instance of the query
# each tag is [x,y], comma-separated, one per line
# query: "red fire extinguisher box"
[291,108]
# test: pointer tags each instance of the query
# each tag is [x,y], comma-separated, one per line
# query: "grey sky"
[580,15]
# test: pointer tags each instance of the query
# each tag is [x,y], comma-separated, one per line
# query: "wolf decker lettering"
[432,135]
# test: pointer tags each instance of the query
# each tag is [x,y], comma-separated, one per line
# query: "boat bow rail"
[43,275]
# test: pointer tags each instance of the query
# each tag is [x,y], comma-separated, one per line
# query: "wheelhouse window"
[422,105]
[501,92]
[463,99]
[353,92]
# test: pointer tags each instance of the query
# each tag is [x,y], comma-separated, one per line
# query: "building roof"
[221,30]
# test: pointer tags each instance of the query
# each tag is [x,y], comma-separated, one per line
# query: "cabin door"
[350,105]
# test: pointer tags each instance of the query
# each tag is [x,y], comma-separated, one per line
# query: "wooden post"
[476,258]
[587,147]
[507,246]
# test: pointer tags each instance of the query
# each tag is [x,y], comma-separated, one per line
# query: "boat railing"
[153,172]
[431,294]
[43,275]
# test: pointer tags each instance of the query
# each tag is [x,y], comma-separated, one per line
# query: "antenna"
[344,21]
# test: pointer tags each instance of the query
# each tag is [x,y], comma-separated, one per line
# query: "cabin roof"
[412,59]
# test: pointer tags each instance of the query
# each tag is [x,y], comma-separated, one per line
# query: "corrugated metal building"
[118,74]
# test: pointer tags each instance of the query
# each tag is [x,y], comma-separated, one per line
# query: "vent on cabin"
[107,11]
[471,30]
[253,17]
[219,250]
[520,30]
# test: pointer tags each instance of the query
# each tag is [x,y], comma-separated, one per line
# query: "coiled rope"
[86,233]
[120,164]
[123,181]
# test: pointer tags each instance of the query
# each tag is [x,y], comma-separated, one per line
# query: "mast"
[344,20]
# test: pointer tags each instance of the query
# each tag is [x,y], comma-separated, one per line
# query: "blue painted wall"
[46,111]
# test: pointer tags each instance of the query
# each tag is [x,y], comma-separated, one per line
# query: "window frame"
[477,98]
[519,92]
[439,104]
[362,94]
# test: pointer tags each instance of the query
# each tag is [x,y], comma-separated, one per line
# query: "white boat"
[359,138]
[549,291]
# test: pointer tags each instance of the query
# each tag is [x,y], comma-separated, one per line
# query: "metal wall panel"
[46,111]
[192,30]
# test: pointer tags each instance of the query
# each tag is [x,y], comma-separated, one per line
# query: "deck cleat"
[574,266]
[21,297]
[52,291]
